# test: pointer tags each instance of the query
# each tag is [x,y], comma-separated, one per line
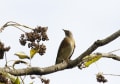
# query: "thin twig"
[114,51]
[14,24]
[111,74]
[6,60]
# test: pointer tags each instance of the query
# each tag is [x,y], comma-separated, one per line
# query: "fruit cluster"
[101,78]
[34,37]
[3,50]
[3,79]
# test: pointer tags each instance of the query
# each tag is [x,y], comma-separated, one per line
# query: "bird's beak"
[63,30]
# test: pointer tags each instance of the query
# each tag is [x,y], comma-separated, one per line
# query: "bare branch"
[93,47]
[35,70]
[110,55]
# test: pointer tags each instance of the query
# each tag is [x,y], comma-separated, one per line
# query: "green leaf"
[31,83]
[17,81]
[22,55]
[33,52]
[19,61]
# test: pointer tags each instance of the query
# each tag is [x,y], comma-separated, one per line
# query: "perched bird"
[66,48]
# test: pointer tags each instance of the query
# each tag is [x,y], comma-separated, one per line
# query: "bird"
[66,48]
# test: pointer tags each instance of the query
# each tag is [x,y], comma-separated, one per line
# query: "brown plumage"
[66,48]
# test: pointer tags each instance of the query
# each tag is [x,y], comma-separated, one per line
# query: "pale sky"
[89,20]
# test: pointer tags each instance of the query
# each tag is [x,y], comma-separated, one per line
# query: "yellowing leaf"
[92,59]
[31,83]
[17,81]
[19,61]
[33,52]
[22,55]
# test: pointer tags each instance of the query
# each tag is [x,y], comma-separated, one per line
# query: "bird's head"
[67,33]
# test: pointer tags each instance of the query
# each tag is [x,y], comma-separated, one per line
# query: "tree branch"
[93,47]
[35,70]
[110,55]
[64,65]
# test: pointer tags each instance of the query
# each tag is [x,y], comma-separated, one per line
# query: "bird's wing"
[73,50]
[64,46]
